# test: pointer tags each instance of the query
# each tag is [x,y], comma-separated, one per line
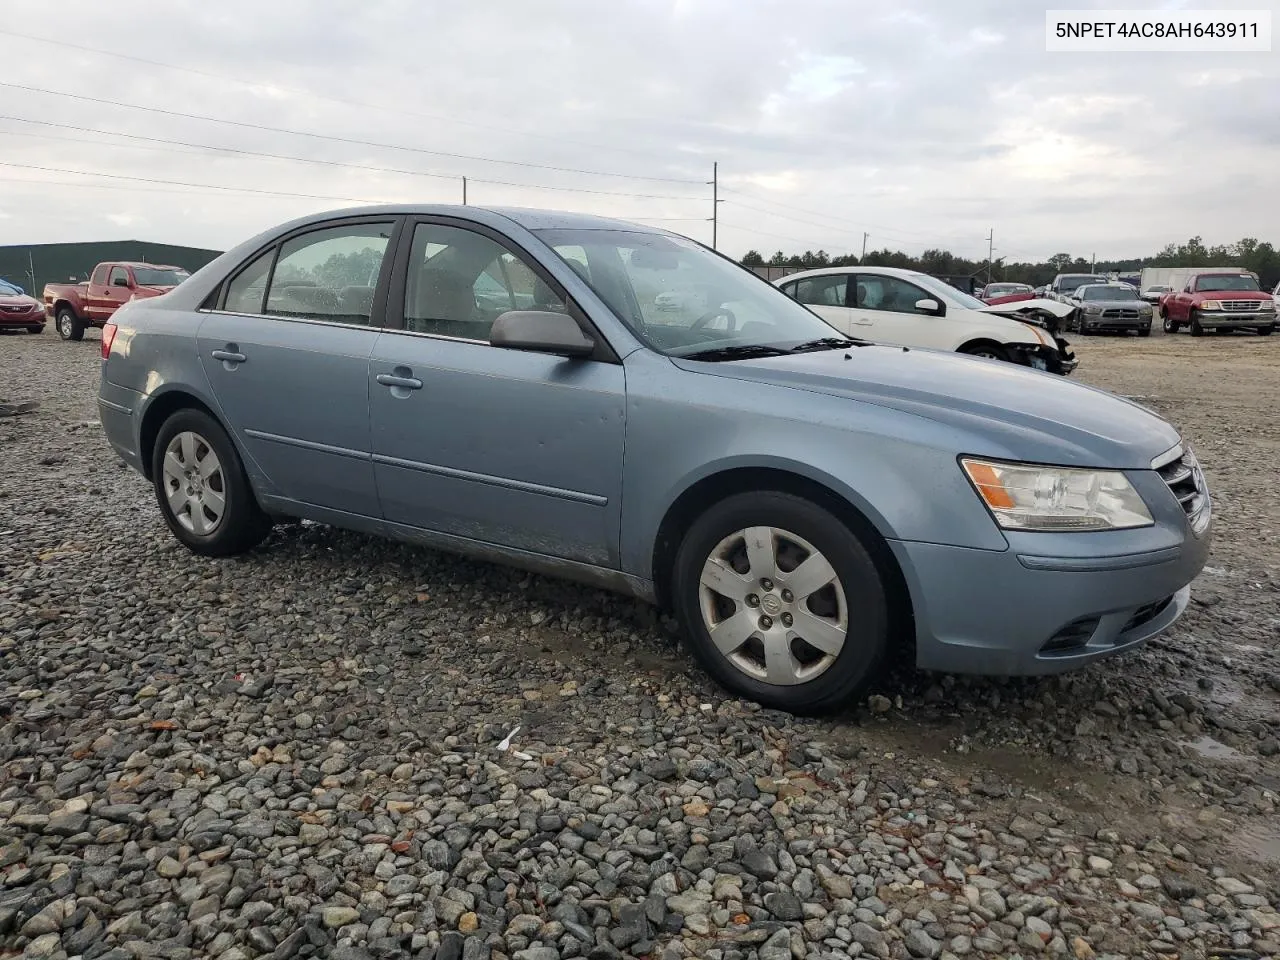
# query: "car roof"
[530,218]
[144,265]
[829,271]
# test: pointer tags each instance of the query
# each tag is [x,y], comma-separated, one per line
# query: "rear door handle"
[391,380]
[228,356]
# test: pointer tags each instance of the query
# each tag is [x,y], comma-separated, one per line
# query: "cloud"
[923,125]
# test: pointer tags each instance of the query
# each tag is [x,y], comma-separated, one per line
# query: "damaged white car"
[913,309]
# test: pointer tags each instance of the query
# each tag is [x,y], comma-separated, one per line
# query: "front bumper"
[1010,613]
[1115,324]
[31,319]
[1059,359]
[1223,319]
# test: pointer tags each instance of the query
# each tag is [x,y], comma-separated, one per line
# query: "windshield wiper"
[827,343]
[740,351]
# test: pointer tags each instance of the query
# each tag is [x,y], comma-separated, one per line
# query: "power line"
[335,139]
[859,224]
[364,105]
[207,187]
[311,160]
[813,223]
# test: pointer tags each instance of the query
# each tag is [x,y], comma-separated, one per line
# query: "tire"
[989,351]
[191,511]
[36,329]
[1196,329]
[1170,325]
[808,680]
[1266,331]
[1144,331]
[70,327]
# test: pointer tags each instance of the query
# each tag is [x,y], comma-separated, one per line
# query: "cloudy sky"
[923,123]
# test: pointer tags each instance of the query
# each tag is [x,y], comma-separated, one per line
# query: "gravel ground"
[297,753]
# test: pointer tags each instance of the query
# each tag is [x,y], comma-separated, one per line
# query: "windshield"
[1071,283]
[7,289]
[1108,293]
[1158,289]
[681,298]
[1225,282]
[949,294]
[159,277]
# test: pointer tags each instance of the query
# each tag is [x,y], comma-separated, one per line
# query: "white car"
[913,309]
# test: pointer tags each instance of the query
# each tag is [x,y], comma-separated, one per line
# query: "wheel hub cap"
[773,606]
[194,484]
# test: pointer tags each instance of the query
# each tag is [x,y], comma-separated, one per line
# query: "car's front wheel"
[36,328]
[1266,331]
[1196,329]
[1170,325]
[202,488]
[985,350]
[70,327]
[781,602]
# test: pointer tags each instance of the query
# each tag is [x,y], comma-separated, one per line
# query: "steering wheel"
[731,322]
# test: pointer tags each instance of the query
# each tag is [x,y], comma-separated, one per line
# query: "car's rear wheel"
[780,602]
[70,327]
[202,488]
[1196,329]
[985,350]
[1170,325]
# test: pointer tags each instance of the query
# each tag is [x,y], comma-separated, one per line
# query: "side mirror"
[120,282]
[541,331]
[931,306]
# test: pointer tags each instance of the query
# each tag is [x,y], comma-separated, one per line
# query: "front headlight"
[1023,496]
[1266,305]
[1145,310]
[1210,304]
[1092,310]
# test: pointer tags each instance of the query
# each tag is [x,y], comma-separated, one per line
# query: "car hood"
[998,409]
[1035,303]
[17,300]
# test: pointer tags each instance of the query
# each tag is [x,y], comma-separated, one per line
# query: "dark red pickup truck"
[74,307]
[1219,301]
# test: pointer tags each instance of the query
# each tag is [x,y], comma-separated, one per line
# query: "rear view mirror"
[929,305]
[647,258]
[120,282]
[541,331]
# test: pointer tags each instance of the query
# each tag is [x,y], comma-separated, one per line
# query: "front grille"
[1146,614]
[16,308]
[1120,313]
[1186,482]
[1241,306]
[1073,637]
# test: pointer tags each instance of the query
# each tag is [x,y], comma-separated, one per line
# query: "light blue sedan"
[598,400]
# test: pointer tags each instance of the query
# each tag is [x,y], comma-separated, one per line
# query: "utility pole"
[991,236]
[464,191]
[1093,261]
[864,246]
[715,201]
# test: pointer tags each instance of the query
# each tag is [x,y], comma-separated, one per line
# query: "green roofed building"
[31,266]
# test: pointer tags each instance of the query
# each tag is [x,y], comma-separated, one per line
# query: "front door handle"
[405,382]
[228,356]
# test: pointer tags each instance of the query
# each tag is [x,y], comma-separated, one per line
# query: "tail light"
[108,337]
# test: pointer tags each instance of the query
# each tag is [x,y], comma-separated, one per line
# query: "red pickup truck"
[73,307]
[1219,301]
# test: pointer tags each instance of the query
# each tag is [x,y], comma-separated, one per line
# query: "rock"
[48,920]
[784,905]
[759,864]
[1081,950]
[1099,865]
[777,947]
[337,917]
[1232,886]
[879,704]
[468,923]
[920,944]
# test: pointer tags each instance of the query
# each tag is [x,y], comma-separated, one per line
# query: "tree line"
[1262,258]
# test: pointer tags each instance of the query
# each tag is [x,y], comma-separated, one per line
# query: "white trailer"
[1176,277]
